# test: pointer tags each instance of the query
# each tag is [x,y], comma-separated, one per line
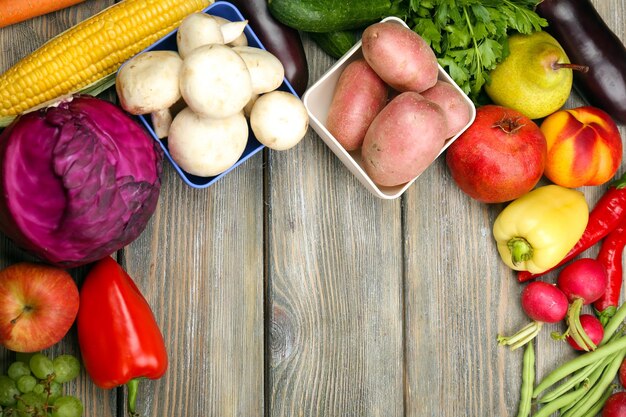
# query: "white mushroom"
[149,82]
[204,146]
[195,30]
[279,120]
[215,81]
[266,71]
[162,119]
[233,32]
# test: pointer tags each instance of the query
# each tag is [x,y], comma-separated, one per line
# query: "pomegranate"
[500,157]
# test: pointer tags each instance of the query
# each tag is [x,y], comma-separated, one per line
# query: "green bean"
[579,376]
[528,380]
[562,401]
[591,380]
[597,407]
[613,324]
[578,363]
[595,393]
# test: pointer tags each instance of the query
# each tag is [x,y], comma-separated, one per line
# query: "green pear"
[535,78]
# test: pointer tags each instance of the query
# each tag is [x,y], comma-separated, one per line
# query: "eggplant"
[282,41]
[587,40]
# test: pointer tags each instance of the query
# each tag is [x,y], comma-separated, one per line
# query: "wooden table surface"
[287,290]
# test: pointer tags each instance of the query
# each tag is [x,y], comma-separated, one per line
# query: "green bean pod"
[599,405]
[528,381]
[562,401]
[578,363]
[578,377]
[591,380]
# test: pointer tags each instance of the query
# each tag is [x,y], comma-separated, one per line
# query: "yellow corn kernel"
[90,51]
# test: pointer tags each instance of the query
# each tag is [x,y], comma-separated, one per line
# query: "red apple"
[500,157]
[38,305]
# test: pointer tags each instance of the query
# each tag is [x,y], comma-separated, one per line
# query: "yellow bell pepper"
[536,231]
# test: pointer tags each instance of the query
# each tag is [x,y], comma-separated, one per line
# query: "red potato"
[453,104]
[359,96]
[405,137]
[400,56]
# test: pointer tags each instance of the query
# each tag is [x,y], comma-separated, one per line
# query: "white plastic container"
[317,101]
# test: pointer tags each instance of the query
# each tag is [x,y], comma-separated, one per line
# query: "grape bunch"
[33,387]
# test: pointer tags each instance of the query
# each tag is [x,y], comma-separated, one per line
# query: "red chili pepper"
[610,255]
[119,338]
[605,216]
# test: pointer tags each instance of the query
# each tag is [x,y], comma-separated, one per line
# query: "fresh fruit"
[66,368]
[38,305]
[535,78]
[584,147]
[500,157]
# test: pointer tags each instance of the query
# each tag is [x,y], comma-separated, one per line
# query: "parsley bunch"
[469,37]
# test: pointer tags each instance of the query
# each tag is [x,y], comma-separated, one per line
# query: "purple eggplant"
[587,40]
[282,41]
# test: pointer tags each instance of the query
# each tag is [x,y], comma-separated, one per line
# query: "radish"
[543,303]
[615,406]
[592,327]
[583,282]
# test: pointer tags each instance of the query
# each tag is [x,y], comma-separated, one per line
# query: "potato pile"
[391,106]
[202,96]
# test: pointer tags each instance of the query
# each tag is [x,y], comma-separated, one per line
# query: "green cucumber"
[331,15]
[337,43]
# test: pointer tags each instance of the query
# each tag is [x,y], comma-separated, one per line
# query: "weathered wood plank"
[334,286]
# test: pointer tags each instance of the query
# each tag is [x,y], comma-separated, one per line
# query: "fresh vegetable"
[38,305]
[500,157]
[584,147]
[34,387]
[543,303]
[196,30]
[80,180]
[404,139]
[605,216]
[95,54]
[206,146]
[329,15]
[359,96]
[136,79]
[399,56]
[615,405]
[279,120]
[452,102]
[470,37]
[215,81]
[592,327]
[535,231]
[337,43]
[528,380]
[12,11]
[120,341]
[583,282]
[282,41]
[587,40]
[610,256]
[266,71]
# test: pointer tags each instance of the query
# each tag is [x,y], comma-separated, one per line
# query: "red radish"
[622,374]
[592,327]
[583,282]
[615,406]
[543,303]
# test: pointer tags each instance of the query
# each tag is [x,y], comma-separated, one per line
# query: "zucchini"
[337,43]
[331,15]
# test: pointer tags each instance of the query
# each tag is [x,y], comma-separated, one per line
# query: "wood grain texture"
[334,286]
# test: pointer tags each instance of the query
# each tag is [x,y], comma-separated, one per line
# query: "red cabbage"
[78,181]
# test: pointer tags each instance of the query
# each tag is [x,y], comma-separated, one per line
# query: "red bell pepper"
[120,341]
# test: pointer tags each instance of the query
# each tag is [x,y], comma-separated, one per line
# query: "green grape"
[8,391]
[41,365]
[29,405]
[39,389]
[67,406]
[66,368]
[26,383]
[56,390]
[18,369]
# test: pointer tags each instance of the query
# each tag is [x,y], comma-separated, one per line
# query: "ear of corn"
[88,53]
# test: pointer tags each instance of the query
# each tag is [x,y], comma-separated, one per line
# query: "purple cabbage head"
[78,181]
